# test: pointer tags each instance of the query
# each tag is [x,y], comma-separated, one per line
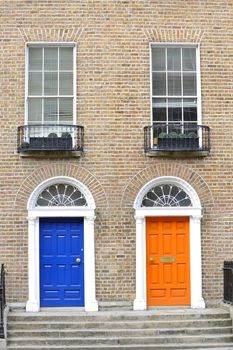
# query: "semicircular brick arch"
[55,170]
[189,175]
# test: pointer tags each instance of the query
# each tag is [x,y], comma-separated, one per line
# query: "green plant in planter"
[52,135]
[173,135]
[163,135]
[66,135]
[192,135]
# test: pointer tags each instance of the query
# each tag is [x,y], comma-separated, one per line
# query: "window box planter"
[175,141]
[50,143]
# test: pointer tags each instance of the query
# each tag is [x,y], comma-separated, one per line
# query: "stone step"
[115,305]
[117,316]
[199,346]
[152,329]
[47,333]
[181,339]
[61,324]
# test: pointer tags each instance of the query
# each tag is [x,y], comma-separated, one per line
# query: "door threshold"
[63,309]
[171,307]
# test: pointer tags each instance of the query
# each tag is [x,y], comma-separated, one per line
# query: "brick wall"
[113,104]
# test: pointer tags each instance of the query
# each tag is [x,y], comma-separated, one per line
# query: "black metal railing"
[50,137]
[228,282]
[176,137]
[2,301]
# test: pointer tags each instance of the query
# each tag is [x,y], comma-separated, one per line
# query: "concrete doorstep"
[155,329]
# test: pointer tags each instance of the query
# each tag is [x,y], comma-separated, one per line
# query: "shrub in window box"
[174,141]
[167,141]
[192,141]
[65,141]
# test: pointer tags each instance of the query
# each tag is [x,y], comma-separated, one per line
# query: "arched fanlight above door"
[166,195]
[61,195]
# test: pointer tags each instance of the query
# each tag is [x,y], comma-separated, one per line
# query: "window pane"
[159,110]
[35,83]
[50,110]
[66,84]
[50,83]
[159,84]
[190,110]
[174,59]
[174,84]
[51,58]
[66,58]
[66,110]
[174,109]
[189,84]
[158,59]
[34,110]
[189,59]
[35,58]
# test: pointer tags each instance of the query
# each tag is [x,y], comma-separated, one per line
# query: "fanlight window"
[61,195]
[166,196]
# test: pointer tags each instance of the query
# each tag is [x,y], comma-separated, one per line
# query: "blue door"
[61,262]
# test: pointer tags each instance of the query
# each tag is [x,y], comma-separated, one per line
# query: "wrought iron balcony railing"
[50,137]
[2,300]
[176,137]
[228,282]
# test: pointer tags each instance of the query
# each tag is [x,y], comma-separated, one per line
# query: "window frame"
[42,45]
[198,77]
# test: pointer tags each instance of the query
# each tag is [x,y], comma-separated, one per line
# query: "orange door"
[168,261]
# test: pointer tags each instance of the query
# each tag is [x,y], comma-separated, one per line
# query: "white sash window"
[50,86]
[175,84]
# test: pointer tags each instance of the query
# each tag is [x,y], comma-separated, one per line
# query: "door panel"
[168,261]
[61,277]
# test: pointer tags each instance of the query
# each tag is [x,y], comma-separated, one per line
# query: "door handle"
[78,260]
[151,259]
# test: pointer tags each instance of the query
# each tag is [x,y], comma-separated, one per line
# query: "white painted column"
[33,273]
[91,303]
[140,301]
[197,300]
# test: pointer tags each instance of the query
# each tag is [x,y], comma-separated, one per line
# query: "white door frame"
[194,213]
[34,215]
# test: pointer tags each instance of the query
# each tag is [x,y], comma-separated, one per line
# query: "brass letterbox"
[167,259]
